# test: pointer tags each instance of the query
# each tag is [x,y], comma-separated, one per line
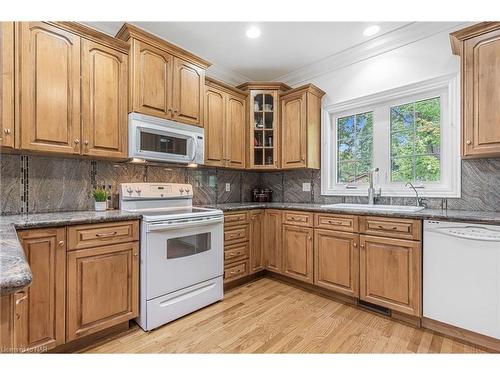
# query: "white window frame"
[447,89]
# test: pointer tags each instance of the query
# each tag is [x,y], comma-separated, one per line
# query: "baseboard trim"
[484,342]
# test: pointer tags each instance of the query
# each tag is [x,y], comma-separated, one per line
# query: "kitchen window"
[410,134]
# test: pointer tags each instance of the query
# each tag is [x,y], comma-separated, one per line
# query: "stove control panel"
[152,190]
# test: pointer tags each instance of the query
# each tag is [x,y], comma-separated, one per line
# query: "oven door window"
[162,143]
[181,247]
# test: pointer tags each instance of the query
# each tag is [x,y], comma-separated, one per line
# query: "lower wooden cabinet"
[102,289]
[256,241]
[336,261]
[390,273]
[39,309]
[272,241]
[298,252]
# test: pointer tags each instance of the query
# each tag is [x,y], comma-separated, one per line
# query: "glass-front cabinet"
[264,129]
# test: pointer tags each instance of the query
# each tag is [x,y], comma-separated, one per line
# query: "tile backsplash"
[64,184]
[44,184]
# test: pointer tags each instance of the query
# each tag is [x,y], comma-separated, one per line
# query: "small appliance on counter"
[262,195]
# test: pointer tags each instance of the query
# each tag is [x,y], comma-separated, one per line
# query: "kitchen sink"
[374,207]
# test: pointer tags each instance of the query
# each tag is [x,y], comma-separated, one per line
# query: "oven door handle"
[188,224]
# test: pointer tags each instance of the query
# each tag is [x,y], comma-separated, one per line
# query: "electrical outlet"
[306,186]
[228,186]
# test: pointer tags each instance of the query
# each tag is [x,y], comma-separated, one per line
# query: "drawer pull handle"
[334,222]
[237,271]
[384,227]
[106,234]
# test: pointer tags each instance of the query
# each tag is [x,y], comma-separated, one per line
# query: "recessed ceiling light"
[371,30]
[253,32]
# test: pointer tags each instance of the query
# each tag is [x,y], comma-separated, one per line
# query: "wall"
[45,184]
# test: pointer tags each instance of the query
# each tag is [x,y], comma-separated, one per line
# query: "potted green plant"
[100,196]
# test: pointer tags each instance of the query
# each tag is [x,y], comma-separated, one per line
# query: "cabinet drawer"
[304,219]
[236,235]
[235,218]
[236,252]
[92,235]
[391,227]
[236,271]
[344,223]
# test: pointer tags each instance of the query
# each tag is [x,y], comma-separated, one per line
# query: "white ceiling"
[282,48]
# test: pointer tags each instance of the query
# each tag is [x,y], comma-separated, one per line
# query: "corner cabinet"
[479,49]
[256,241]
[273,252]
[84,74]
[225,126]
[301,128]
[7,63]
[165,81]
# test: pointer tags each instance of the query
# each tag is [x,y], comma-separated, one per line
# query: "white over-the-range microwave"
[160,140]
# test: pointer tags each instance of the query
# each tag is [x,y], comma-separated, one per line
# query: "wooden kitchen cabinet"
[298,253]
[257,261]
[39,309]
[390,273]
[7,63]
[479,49]
[301,127]
[50,88]
[165,80]
[102,288]
[104,101]
[273,240]
[225,126]
[336,261]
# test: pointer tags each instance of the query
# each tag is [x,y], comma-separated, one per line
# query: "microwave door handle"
[195,223]
[193,152]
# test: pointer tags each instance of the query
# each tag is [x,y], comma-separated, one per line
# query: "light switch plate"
[306,186]
[228,186]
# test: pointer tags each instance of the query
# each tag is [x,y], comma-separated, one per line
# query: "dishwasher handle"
[458,233]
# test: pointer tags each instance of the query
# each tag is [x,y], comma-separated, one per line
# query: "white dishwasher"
[461,275]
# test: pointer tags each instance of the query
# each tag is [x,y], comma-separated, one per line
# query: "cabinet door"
[7,84]
[481,95]
[293,128]
[39,319]
[390,273]
[104,101]
[7,322]
[336,261]
[272,240]
[214,127]
[151,82]
[50,89]
[235,132]
[189,82]
[256,241]
[102,288]
[298,252]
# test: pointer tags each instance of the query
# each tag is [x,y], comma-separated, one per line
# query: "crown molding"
[226,75]
[400,37]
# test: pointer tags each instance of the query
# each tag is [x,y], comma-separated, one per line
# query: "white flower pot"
[100,206]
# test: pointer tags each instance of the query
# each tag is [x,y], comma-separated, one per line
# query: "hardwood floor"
[267,316]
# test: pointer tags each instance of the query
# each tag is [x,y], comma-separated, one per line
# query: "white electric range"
[182,256]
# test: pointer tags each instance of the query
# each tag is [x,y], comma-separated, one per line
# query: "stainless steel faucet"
[372,193]
[418,201]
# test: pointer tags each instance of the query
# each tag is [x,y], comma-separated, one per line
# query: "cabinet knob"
[302,159]
[61,243]
[86,143]
[6,131]
[355,244]
[135,254]
[468,142]
[76,141]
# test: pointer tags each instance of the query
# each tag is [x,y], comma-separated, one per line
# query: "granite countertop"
[484,217]
[15,273]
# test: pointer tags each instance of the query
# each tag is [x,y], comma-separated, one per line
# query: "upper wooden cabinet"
[301,128]
[7,61]
[39,309]
[165,80]
[479,49]
[104,101]
[264,125]
[225,135]
[72,86]
[50,88]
